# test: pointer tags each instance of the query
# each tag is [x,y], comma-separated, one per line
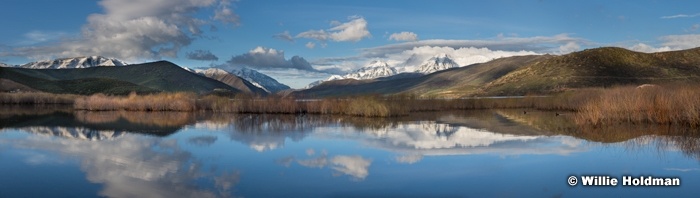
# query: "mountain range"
[375,69]
[77,62]
[380,69]
[438,76]
[160,76]
[246,80]
[534,74]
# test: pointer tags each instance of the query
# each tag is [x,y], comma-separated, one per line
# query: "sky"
[298,42]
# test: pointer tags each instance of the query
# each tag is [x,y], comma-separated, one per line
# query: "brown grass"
[366,106]
[134,102]
[36,98]
[659,105]
[673,104]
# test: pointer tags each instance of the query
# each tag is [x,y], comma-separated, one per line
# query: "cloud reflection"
[354,166]
[135,166]
[408,159]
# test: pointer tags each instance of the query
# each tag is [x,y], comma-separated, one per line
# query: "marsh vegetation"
[670,104]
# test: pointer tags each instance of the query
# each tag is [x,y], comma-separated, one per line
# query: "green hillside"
[161,76]
[601,67]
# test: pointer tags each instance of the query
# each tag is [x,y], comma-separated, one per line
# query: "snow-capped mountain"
[437,63]
[229,79]
[77,62]
[374,69]
[261,80]
[209,72]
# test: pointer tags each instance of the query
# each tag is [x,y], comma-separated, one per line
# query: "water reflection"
[354,166]
[175,154]
[506,131]
[135,166]
[664,137]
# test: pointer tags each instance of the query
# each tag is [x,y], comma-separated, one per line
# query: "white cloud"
[681,16]
[641,47]
[569,47]
[284,36]
[353,30]
[464,52]
[136,29]
[679,42]
[404,36]
[310,45]
[539,44]
[669,43]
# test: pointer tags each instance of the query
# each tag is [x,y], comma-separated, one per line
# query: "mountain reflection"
[132,154]
[443,133]
[91,125]
[75,133]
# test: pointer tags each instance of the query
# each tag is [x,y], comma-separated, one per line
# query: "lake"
[58,152]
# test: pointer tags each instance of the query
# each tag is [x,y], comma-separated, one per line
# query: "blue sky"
[333,37]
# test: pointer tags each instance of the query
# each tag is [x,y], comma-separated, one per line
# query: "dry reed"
[134,102]
[36,98]
[659,105]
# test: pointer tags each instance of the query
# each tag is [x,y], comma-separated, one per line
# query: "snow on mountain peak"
[211,71]
[256,78]
[260,80]
[77,62]
[377,63]
[374,69]
[437,63]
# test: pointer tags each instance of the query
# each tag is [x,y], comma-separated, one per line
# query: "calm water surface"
[53,152]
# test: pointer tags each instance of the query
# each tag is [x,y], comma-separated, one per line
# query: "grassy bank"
[36,98]
[134,102]
[361,106]
[365,106]
[661,105]
[673,104]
